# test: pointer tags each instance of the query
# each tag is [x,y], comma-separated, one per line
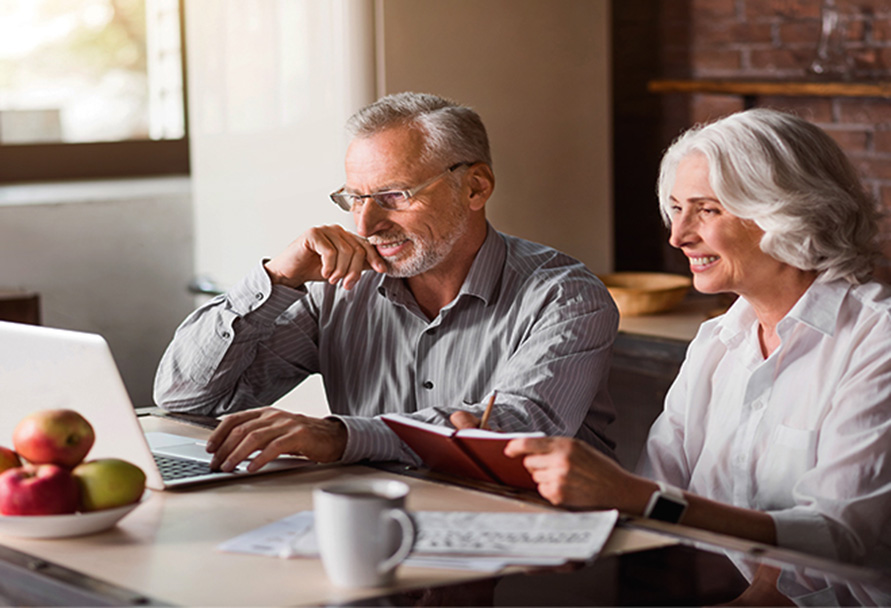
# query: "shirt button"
[427,384]
[259,296]
[225,335]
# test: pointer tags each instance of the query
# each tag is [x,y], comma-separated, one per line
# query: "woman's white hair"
[794,181]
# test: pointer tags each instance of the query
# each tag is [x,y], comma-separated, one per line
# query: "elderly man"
[425,310]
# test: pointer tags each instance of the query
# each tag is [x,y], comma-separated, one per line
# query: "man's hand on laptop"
[274,432]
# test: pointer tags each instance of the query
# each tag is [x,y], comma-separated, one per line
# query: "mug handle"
[408,539]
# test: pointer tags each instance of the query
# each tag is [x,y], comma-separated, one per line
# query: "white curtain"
[270,85]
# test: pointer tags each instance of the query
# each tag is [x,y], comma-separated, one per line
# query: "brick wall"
[747,39]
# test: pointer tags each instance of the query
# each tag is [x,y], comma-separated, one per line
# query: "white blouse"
[804,435]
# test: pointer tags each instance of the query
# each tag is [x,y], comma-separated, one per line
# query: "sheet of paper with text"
[458,539]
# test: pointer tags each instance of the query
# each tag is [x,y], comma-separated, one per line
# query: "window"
[91,88]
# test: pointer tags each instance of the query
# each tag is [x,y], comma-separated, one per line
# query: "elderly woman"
[778,427]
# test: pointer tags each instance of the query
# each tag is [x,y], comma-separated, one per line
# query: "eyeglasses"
[391,200]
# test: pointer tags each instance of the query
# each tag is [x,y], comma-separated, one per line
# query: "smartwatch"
[666,504]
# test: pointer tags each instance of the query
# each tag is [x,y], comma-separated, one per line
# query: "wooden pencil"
[485,419]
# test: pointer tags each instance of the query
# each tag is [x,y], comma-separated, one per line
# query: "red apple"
[61,437]
[108,482]
[44,489]
[8,459]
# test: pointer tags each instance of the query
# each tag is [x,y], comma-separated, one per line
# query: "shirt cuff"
[255,294]
[805,530]
[371,439]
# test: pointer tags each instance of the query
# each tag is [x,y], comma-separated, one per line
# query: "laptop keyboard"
[179,468]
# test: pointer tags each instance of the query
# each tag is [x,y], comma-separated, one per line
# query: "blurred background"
[152,151]
[250,98]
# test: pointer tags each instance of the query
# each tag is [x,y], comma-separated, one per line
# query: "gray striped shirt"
[529,322]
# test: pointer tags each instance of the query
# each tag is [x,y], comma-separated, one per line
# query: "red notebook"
[470,453]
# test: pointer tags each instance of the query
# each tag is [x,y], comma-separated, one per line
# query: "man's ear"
[481,181]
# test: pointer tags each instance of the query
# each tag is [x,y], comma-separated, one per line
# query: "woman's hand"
[464,420]
[571,473]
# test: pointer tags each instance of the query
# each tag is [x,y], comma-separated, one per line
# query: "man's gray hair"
[794,181]
[452,133]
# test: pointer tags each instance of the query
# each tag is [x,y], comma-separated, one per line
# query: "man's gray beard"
[415,265]
[427,257]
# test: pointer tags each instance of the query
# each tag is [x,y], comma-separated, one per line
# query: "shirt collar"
[482,281]
[818,308]
[484,278]
[820,305]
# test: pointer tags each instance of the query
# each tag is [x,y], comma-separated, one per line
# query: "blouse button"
[427,384]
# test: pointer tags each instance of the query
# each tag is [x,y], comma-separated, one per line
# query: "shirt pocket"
[790,454]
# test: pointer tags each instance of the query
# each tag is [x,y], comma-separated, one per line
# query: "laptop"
[44,368]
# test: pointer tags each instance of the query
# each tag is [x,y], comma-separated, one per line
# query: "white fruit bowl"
[64,526]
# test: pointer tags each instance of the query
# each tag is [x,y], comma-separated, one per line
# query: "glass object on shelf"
[83,71]
[832,60]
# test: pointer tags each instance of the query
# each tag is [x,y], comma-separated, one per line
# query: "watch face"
[668,510]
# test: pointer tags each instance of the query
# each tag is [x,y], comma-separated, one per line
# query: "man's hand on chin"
[274,432]
[325,253]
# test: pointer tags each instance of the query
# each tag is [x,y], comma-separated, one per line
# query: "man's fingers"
[219,435]
[373,258]
[246,436]
[325,253]
[350,262]
[272,432]
[323,245]
[342,255]
[345,249]
[354,272]
[250,440]
[275,448]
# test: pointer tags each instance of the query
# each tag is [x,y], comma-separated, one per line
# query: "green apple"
[108,482]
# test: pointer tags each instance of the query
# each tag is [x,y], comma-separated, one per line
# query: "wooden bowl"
[646,293]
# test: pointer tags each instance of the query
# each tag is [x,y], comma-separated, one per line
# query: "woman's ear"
[481,180]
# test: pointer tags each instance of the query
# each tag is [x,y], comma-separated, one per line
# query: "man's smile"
[389,248]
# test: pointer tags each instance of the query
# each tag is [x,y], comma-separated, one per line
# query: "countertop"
[680,323]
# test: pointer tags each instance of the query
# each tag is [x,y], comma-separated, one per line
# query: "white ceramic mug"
[363,531]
